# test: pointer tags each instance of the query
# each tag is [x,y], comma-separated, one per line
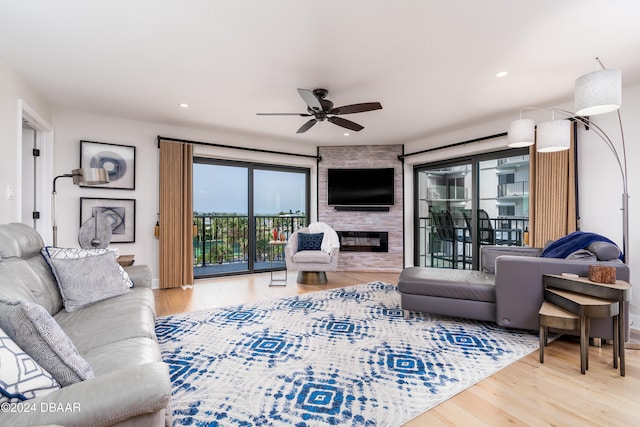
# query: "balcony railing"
[504,231]
[512,189]
[513,159]
[224,239]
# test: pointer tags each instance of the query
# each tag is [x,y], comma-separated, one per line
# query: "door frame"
[44,168]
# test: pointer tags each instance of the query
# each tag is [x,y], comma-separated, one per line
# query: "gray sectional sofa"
[129,384]
[507,290]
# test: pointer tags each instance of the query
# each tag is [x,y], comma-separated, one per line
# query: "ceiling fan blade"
[345,123]
[310,99]
[308,125]
[284,114]
[356,108]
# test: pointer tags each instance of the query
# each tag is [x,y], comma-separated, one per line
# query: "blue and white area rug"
[343,357]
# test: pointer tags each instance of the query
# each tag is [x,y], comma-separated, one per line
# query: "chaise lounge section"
[507,290]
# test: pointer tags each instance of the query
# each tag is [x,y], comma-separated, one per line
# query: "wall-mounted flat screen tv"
[360,187]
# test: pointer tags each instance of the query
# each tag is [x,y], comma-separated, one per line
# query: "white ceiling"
[432,64]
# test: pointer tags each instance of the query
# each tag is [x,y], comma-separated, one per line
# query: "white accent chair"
[312,264]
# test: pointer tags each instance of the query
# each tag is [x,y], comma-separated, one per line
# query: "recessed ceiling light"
[501,74]
[346,134]
[183,105]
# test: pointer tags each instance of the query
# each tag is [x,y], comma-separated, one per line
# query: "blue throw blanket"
[570,243]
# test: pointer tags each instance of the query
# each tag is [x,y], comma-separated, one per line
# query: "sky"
[224,189]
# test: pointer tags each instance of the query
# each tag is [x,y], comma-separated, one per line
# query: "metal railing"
[223,239]
[504,232]
[513,189]
[513,159]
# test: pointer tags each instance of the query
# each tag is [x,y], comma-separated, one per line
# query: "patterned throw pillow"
[310,241]
[85,281]
[33,329]
[52,252]
[22,377]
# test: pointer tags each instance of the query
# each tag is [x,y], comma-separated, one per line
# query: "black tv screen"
[360,187]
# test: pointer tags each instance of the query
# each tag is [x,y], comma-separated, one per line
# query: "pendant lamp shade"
[553,135]
[521,133]
[598,92]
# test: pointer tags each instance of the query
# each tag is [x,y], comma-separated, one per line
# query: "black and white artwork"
[121,214]
[118,160]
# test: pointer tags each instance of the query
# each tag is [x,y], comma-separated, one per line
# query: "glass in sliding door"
[237,209]
[221,218]
[444,200]
[279,206]
[464,204]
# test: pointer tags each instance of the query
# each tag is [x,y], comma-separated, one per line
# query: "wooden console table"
[573,294]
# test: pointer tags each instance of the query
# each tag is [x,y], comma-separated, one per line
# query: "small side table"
[585,307]
[272,245]
[620,292]
[126,260]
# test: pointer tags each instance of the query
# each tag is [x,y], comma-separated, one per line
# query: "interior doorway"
[36,177]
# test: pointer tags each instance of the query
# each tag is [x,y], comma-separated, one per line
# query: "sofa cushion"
[21,378]
[310,241]
[53,252]
[38,334]
[447,283]
[121,354]
[85,281]
[127,316]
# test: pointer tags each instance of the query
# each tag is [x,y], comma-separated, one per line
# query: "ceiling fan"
[322,109]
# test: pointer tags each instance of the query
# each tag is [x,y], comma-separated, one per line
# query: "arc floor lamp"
[82,176]
[595,93]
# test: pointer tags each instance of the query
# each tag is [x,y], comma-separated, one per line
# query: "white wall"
[13,91]
[599,179]
[72,127]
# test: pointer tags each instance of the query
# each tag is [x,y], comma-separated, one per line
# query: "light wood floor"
[524,393]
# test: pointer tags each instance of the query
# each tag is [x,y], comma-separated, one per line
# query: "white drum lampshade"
[521,133]
[598,92]
[554,135]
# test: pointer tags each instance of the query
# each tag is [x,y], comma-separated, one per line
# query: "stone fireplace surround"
[365,220]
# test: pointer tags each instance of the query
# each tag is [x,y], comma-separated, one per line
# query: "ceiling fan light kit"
[322,109]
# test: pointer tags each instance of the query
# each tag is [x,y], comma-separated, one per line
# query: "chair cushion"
[311,257]
[310,241]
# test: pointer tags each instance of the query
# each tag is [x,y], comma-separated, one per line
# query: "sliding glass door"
[237,209]
[466,203]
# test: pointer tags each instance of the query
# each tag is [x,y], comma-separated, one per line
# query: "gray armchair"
[312,264]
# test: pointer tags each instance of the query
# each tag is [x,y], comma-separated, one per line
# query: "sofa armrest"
[140,275]
[520,291]
[101,401]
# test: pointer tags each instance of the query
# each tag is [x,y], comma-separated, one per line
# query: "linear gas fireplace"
[364,241]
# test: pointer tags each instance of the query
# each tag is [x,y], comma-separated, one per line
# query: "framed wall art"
[120,212]
[118,160]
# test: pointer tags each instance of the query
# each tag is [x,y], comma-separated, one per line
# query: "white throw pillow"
[21,377]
